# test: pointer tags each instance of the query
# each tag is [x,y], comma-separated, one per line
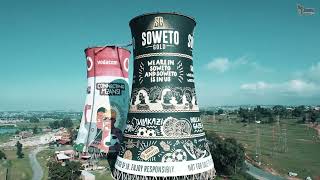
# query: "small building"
[61,157]
[70,153]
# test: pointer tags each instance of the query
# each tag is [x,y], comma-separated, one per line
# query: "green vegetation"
[65,122]
[227,154]
[102,175]
[287,146]
[5,137]
[43,157]
[25,125]
[35,130]
[229,157]
[73,134]
[268,115]
[19,169]
[2,155]
[34,120]
[19,150]
[71,170]
[220,111]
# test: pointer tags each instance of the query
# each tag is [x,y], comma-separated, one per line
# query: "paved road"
[36,168]
[260,174]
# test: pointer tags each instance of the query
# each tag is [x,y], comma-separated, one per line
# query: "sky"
[245,52]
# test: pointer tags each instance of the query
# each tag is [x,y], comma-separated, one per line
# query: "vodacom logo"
[89,63]
[126,64]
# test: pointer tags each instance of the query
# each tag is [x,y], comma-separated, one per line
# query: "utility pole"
[273,141]
[284,136]
[258,147]
[282,139]
[278,131]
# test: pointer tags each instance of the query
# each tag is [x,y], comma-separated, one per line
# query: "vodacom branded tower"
[163,138]
[106,105]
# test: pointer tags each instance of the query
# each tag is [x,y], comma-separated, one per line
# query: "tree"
[71,170]
[34,120]
[66,122]
[298,111]
[54,124]
[220,111]
[313,116]
[228,155]
[2,155]
[304,119]
[243,114]
[19,150]
[279,110]
[73,134]
[24,128]
[35,130]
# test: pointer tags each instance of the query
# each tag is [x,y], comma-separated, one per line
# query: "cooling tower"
[106,106]
[163,138]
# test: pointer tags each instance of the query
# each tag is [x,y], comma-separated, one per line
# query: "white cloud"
[291,87]
[256,86]
[223,64]
[304,85]
[219,64]
[300,86]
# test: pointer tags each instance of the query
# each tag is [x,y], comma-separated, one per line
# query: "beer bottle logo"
[158,22]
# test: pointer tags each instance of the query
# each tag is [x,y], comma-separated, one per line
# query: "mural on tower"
[163,136]
[106,107]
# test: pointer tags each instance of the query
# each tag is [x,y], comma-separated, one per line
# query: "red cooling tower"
[106,105]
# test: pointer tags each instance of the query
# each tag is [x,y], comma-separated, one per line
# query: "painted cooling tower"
[164,138]
[106,106]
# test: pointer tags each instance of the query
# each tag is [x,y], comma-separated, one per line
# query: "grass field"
[19,169]
[5,137]
[43,158]
[287,147]
[102,175]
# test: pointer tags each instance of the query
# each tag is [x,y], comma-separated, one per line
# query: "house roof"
[86,157]
[62,156]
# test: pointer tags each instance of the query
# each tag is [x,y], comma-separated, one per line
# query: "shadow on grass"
[112,158]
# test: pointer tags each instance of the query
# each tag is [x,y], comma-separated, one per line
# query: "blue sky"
[248,52]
